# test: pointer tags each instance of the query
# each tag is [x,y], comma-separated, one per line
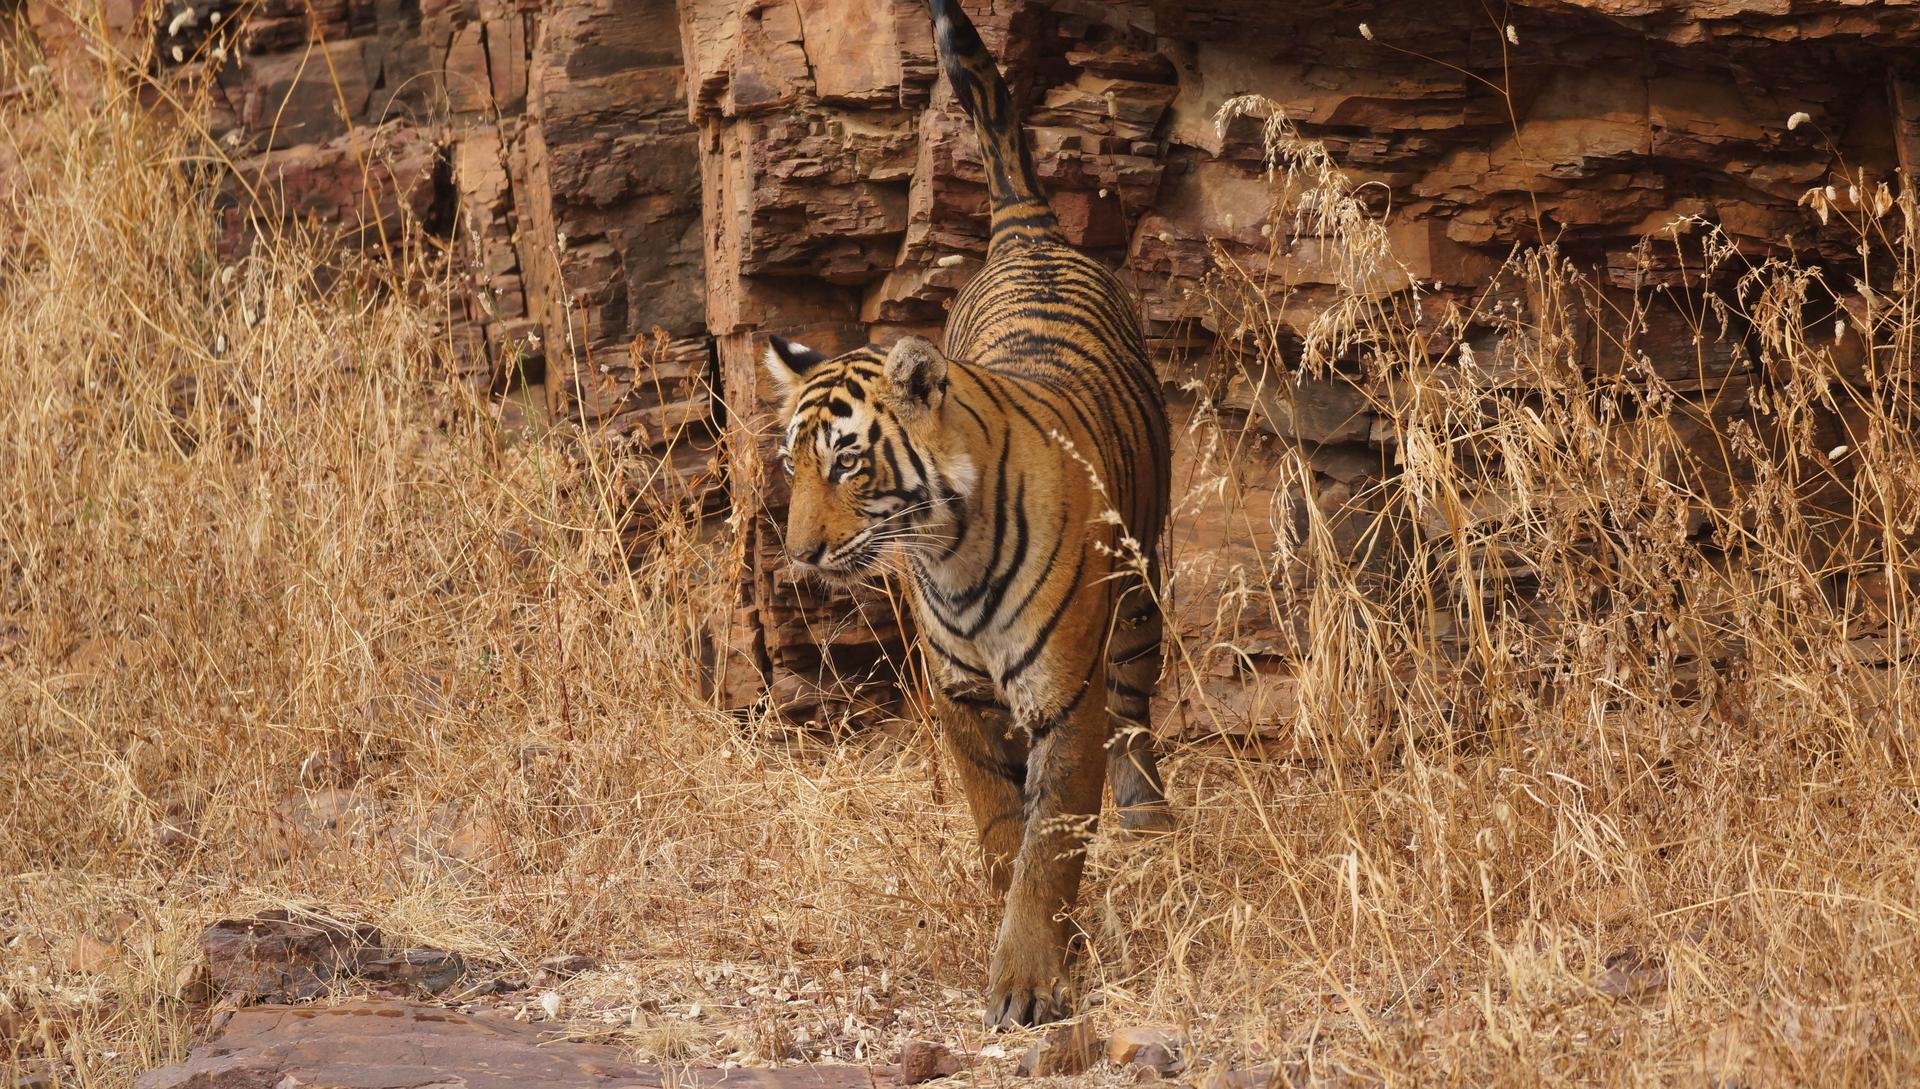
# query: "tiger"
[1017,479]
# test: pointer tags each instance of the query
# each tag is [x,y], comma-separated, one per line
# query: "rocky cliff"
[640,190]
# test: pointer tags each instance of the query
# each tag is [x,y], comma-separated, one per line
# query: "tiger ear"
[916,375]
[788,361]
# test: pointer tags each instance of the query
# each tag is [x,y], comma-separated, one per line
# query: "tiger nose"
[805,555]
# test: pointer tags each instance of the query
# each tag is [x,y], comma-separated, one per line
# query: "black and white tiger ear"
[916,375]
[788,362]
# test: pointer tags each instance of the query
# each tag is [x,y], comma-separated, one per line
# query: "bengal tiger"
[1018,479]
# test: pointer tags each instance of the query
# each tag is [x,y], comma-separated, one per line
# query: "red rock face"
[551,146]
[640,190]
[1570,126]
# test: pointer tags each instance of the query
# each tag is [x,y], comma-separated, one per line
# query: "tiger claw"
[1024,1006]
[1031,994]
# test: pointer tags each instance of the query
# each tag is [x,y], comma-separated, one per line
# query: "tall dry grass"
[1579,793]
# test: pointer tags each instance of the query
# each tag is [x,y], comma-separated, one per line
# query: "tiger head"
[876,459]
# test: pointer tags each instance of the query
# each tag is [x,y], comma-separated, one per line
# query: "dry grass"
[1575,798]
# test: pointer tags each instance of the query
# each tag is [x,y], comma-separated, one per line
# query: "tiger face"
[878,468]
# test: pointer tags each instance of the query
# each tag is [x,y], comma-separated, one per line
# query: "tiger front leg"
[990,760]
[1027,981]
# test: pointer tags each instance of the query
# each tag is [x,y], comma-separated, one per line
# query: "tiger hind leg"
[1133,767]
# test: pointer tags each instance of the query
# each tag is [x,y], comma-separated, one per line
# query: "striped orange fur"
[1019,480]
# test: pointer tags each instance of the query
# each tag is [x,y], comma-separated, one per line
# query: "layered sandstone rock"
[639,191]
[546,148]
[1590,125]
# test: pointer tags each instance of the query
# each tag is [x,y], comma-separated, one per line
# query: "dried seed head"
[1798,119]
[1882,199]
[1366,32]
[1513,36]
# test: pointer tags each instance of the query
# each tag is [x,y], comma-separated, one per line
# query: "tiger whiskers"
[920,545]
[884,533]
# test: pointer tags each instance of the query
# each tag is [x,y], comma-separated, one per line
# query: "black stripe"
[1032,653]
[1040,577]
[961,524]
[987,379]
[892,460]
[1005,769]
[948,657]
[961,602]
[997,588]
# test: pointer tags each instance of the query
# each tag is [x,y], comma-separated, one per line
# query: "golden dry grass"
[286,619]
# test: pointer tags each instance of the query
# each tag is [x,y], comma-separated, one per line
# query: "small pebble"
[924,1060]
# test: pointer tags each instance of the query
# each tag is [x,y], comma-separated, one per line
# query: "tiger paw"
[1026,987]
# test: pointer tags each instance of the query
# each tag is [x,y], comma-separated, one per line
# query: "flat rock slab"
[406,1045]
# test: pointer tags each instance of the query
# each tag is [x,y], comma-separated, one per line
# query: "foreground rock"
[278,956]
[924,1060]
[402,1045]
[282,956]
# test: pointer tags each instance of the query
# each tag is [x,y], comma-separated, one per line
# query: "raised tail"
[1020,208]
